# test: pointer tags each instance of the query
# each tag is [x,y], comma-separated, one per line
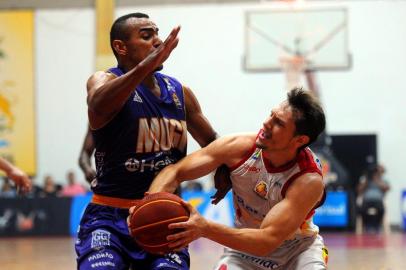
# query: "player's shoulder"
[311,181]
[241,138]
[167,78]
[102,75]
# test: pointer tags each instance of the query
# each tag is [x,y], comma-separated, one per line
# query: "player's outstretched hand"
[191,229]
[21,180]
[160,54]
[90,175]
[222,183]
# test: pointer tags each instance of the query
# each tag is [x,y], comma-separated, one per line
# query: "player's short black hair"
[119,28]
[308,114]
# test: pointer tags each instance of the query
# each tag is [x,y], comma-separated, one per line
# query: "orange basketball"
[151,217]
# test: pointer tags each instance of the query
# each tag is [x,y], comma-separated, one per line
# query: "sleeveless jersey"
[147,134]
[257,187]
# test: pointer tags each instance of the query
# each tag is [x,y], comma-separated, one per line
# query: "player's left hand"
[222,183]
[130,212]
[191,229]
[21,180]
[90,175]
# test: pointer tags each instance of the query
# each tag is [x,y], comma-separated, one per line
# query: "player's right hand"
[187,231]
[159,56]
[21,180]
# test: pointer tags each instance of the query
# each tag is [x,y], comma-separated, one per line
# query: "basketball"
[150,219]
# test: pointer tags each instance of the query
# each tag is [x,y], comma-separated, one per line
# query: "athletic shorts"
[104,242]
[296,254]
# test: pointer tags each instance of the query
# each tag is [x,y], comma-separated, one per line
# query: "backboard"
[319,35]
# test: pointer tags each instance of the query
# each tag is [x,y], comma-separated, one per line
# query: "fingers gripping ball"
[150,219]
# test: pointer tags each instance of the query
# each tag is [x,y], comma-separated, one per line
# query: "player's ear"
[302,140]
[119,47]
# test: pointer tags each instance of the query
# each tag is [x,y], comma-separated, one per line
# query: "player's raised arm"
[108,93]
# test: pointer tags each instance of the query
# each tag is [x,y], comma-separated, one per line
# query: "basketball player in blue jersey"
[276,183]
[139,120]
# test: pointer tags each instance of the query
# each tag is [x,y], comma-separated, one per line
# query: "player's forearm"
[6,166]
[166,181]
[84,161]
[206,139]
[253,241]
[202,131]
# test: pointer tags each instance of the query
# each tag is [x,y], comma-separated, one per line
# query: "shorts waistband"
[113,201]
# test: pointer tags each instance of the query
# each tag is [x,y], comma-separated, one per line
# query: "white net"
[293,67]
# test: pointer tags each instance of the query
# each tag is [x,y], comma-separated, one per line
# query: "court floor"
[346,252]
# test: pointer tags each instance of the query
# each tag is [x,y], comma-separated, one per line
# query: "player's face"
[143,39]
[278,129]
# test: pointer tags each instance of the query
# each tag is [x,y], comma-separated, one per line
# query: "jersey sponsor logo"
[101,255]
[169,86]
[99,158]
[325,255]
[261,189]
[261,262]
[250,209]
[137,97]
[256,155]
[173,257]
[277,184]
[103,264]
[135,165]
[177,101]
[251,168]
[100,238]
[164,265]
[318,163]
[161,134]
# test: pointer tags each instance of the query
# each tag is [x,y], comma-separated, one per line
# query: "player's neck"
[279,158]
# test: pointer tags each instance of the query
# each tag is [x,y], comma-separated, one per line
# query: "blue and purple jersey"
[147,134]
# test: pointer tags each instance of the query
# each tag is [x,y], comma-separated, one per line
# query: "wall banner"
[17,115]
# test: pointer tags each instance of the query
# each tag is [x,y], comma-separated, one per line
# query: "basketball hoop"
[293,67]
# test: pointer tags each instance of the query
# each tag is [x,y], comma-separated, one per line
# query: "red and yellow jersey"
[257,187]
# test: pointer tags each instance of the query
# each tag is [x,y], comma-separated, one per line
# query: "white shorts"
[297,254]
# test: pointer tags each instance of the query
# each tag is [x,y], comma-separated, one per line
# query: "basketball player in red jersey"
[277,185]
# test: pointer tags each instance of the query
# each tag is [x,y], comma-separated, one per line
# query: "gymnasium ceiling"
[9,4]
